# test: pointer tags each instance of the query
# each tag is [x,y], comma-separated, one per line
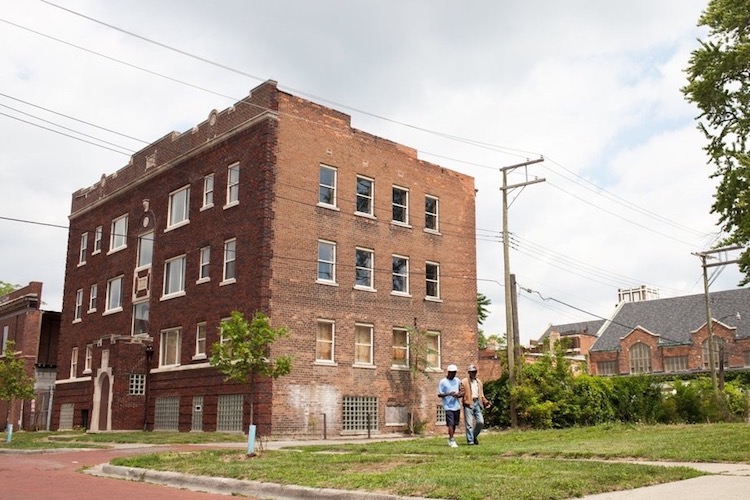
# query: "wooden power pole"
[510,334]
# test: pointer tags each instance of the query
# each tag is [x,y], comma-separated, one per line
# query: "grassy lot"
[552,464]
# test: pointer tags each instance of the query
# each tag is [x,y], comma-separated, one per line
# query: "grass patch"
[73,439]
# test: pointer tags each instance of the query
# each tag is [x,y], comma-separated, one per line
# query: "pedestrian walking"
[451,392]
[474,404]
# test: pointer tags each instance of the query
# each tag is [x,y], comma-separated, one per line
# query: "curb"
[226,486]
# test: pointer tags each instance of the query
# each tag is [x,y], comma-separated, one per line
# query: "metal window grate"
[229,415]
[167,413]
[197,424]
[137,386]
[66,417]
[356,410]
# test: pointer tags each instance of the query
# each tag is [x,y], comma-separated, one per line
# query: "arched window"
[719,347]
[640,358]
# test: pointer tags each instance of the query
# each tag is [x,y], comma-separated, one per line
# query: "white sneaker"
[452,444]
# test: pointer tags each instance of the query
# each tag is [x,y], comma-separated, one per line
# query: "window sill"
[432,231]
[118,249]
[81,264]
[326,282]
[87,372]
[199,357]
[400,294]
[365,215]
[322,362]
[230,281]
[172,296]
[177,225]
[329,207]
[400,368]
[90,311]
[112,311]
[365,288]
[96,252]
[433,299]
[77,320]
[405,225]
[231,204]
[202,280]
[362,365]
[206,207]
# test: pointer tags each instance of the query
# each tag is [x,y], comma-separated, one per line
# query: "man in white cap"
[451,392]
[474,404]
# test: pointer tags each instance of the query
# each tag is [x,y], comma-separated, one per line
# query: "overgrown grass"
[41,440]
[547,464]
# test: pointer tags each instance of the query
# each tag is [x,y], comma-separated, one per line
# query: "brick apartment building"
[671,335]
[278,205]
[35,333]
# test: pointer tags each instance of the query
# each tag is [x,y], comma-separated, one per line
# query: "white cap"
[452,368]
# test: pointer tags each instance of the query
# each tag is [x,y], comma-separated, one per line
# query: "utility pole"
[509,316]
[709,326]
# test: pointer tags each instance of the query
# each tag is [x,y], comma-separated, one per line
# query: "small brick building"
[670,335]
[35,333]
[276,205]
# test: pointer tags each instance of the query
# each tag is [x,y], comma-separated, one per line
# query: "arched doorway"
[103,402]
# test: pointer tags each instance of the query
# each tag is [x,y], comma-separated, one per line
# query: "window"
[87,362]
[140,318]
[205,264]
[431,213]
[432,280]
[79,305]
[400,348]
[84,249]
[745,354]
[208,191]
[359,413]
[230,256]
[92,297]
[400,276]
[74,362]
[324,341]
[169,347]
[200,340]
[97,240]
[114,294]
[363,344]
[640,358]
[118,237]
[365,188]
[146,249]
[233,184]
[606,368]
[5,340]
[167,413]
[178,207]
[400,205]
[229,413]
[174,276]
[363,268]
[137,384]
[327,192]
[432,350]
[719,348]
[676,364]
[327,261]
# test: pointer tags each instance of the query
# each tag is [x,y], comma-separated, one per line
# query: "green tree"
[420,354]
[719,84]
[244,351]
[15,383]
[483,303]
[6,288]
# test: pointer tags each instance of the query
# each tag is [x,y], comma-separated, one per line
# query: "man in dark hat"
[474,404]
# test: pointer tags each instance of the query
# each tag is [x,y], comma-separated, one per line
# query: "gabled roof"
[675,318]
[582,328]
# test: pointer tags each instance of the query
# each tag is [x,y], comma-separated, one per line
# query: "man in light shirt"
[474,404]
[451,392]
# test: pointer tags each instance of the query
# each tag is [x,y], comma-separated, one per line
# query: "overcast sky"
[591,85]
